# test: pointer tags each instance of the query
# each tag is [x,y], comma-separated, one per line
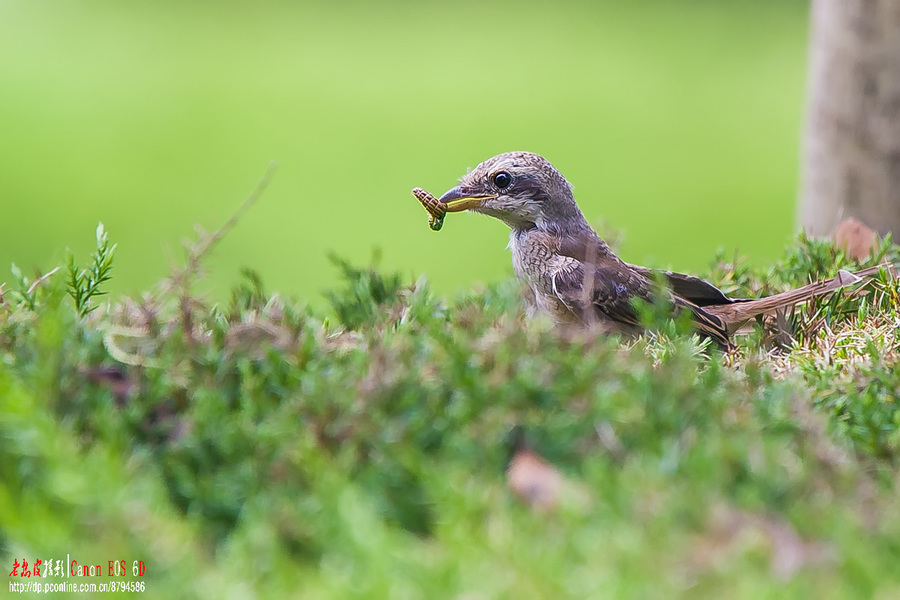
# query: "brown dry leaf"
[535,481]
[855,238]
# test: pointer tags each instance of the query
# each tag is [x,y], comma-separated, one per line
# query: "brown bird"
[571,272]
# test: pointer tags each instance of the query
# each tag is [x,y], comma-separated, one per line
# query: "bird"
[570,272]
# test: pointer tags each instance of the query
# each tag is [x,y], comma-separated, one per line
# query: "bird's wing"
[693,289]
[609,289]
[584,289]
[588,248]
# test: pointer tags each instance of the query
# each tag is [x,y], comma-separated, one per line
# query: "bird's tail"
[739,312]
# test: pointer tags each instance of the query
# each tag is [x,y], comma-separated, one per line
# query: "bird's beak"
[459,199]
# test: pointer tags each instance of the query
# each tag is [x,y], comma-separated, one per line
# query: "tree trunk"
[852,144]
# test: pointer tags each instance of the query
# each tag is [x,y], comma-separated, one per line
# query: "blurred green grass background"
[678,122]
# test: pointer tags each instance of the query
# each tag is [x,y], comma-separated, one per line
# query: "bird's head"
[521,189]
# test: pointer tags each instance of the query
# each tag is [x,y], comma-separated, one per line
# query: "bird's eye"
[502,180]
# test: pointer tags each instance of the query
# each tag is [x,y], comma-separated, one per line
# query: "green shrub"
[256,444]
